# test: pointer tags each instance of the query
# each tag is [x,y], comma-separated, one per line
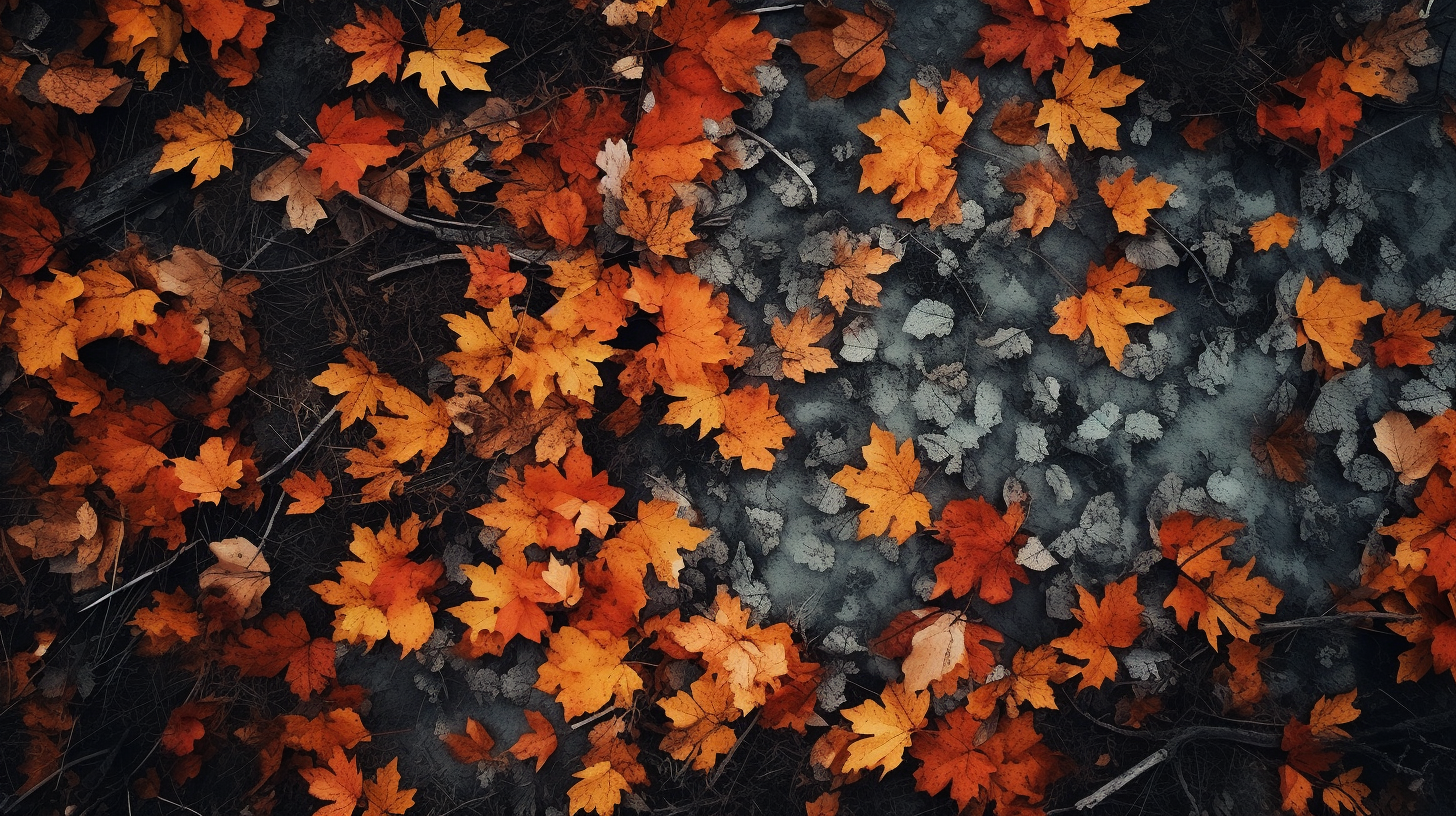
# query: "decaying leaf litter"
[949,352]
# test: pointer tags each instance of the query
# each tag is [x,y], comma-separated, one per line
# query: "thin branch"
[582,723]
[723,764]
[433,259]
[293,454]
[1339,619]
[1390,129]
[9,805]
[799,171]
[143,576]
[1207,279]
[1257,738]
[5,544]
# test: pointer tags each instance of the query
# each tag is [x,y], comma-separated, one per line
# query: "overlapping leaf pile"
[603,196]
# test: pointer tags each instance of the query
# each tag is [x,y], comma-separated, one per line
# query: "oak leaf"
[1110,305]
[887,486]
[241,575]
[846,49]
[200,137]
[451,54]
[348,146]
[1405,336]
[1277,229]
[378,39]
[848,275]
[585,671]
[1080,101]
[1114,622]
[916,151]
[700,730]
[887,728]
[286,179]
[1046,190]
[308,492]
[1333,317]
[1131,202]
[539,743]
[985,544]
[283,644]
[1015,123]
[796,343]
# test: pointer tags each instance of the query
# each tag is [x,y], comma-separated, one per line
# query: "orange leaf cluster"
[1110,305]
[916,151]
[384,594]
[1224,597]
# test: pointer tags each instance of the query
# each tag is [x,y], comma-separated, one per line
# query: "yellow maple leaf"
[584,670]
[887,486]
[916,151]
[657,537]
[752,426]
[201,137]
[384,593]
[747,659]
[1087,20]
[886,727]
[855,260]
[665,231]
[796,343]
[599,791]
[362,385]
[45,322]
[1080,102]
[1276,229]
[451,54]
[1110,305]
[1131,202]
[700,720]
[1333,316]
[212,472]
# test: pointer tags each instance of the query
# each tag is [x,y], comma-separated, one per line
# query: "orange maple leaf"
[44,321]
[1131,202]
[887,728]
[657,537]
[308,492]
[1015,123]
[916,151]
[1209,585]
[1081,100]
[201,137]
[1429,538]
[1276,229]
[1035,30]
[887,486]
[1404,342]
[846,49]
[700,730]
[1282,451]
[1378,58]
[984,545]
[443,163]
[491,278]
[348,147]
[384,593]
[378,39]
[1333,316]
[1010,766]
[722,38]
[1110,305]
[284,644]
[550,506]
[1115,622]
[31,231]
[1200,130]
[749,660]
[796,343]
[211,472]
[1326,119]
[1242,678]
[186,725]
[538,743]
[664,229]
[1047,191]
[511,595]
[383,795]
[848,275]
[1028,680]
[340,784]
[696,336]
[222,20]
[1308,755]
[472,746]
[71,81]
[173,620]
[452,54]
[1087,20]
[585,671]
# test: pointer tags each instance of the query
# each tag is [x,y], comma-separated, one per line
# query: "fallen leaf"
[887,728]
[212,472]
[451,54]
[1276,229]
[1035,30]
[1114,622]
[383,794]
[1405,336]
[308,492]
[796,343]
[286,178]
[700,731]
[1081,100]
[71,81]
[1131,202]
[984,544]
[200,137]
[472,746]
[1326,119]
[887,486]
[1015,123]
[848,276]
[916,151]
[348,146]
[241,575]
[1046,190]
[539,743]
[283,644]
[1110,305]
[847,49]
[1284,450]
[1333,316]
[340,784]
[585,671]
[378,39]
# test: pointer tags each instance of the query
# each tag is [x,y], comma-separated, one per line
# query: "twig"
[799,171]
[277,505]
[767,9]
[8,805]
[1334,620]
[293,454]
[9,556]
[447,234]
[582,723]
[446,256]
[723,764]
[142,577]
[1353,148]
[1207,279]
[1258,738]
